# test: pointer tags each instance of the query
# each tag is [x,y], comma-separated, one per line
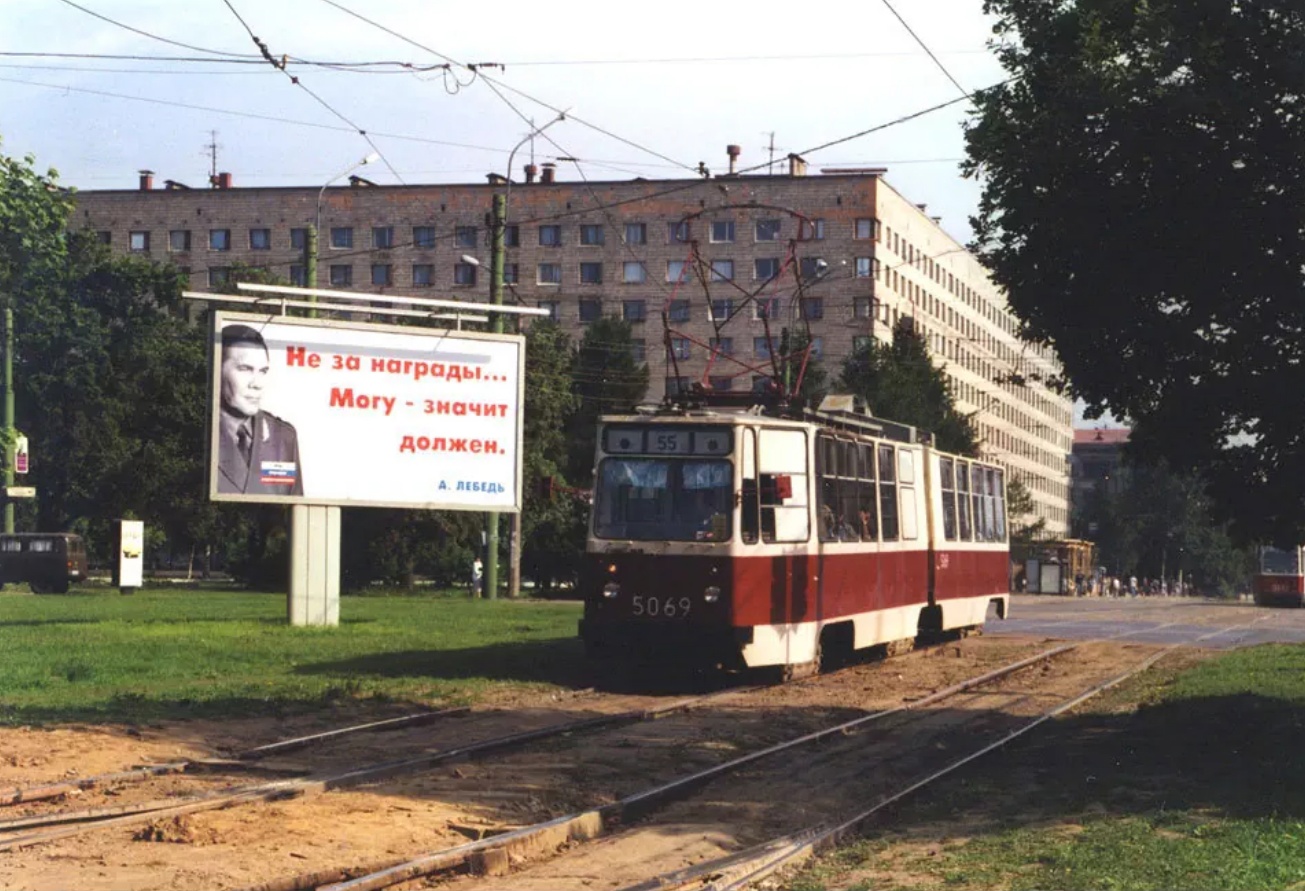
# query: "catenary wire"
[925,47]
[124,26]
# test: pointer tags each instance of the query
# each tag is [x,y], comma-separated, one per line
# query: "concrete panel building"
[701,251]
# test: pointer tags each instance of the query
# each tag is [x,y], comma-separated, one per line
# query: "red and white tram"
[736,539]
[1280,580]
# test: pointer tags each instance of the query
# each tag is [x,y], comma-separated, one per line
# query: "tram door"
[775,516]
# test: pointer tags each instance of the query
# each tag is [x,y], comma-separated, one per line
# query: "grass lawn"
[170,653]
[1181,779]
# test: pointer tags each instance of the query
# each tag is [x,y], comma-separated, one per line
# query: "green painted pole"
[496,325]
[10,433]
[310,264]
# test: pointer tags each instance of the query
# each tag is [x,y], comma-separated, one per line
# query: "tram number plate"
[660,607]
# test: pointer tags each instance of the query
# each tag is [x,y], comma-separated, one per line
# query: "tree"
[1023,533]
[899,382]
[605,379]
[1143,207]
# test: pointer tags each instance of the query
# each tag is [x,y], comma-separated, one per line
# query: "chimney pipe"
[146,180]
[221,181]
[797,165]
[531,172]
[733,151]
[550,170]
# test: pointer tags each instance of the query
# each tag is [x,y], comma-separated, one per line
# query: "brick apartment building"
[583,250]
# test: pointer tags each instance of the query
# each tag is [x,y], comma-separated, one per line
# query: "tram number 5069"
[666,607]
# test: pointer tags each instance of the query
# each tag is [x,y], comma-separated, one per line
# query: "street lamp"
[310,243]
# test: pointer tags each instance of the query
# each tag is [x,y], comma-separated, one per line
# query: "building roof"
[1104,435]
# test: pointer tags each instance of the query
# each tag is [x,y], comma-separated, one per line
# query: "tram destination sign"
[316,411]
[667,439]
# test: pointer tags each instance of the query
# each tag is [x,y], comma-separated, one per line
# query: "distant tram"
[1280,581]
[738,540]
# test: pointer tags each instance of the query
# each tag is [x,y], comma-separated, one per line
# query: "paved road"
[1215,624]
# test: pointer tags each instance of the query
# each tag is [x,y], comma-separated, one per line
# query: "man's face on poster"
[244,371]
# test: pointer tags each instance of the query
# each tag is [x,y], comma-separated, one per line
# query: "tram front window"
[1275,561]
[653,499]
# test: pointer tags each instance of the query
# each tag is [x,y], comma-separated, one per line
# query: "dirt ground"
[412,813]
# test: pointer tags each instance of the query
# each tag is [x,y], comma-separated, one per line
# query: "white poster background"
[131,559]
[437,424]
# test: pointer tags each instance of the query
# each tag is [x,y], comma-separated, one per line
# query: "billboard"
[315,411]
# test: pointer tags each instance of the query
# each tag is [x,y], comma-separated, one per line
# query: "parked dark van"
[48,561]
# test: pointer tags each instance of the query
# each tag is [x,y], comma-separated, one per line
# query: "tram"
[738,540]
[1280,580]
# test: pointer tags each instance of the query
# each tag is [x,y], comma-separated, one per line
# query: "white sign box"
[314,411]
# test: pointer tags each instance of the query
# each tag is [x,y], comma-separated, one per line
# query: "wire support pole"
[497,226]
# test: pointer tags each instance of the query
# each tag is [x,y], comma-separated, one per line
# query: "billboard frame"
[220,318]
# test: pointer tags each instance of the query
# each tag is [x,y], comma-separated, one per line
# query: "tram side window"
[888,493]
[750,523]
[963,500]
[947,476]
[782,481]
[982,505]
[906,494]
[999,496]
[827,454]
[867,506]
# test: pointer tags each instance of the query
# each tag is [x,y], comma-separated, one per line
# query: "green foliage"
[1020,507]
[605,380]
[899,382]
[1142,208]
[1159,523]
[219,653]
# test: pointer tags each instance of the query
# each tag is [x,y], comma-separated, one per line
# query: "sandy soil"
[413,813]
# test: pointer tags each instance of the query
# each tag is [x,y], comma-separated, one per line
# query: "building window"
[678,311]
[812,267]
[341,275]
[634,273]
[813,230]
[679,349]
[638,350]
[767,230]
[423,236]
[591,273]
[219,239]
[863,307]
[864,228]
[342,237]
[549,274]
[676,271]
[765,268]
[591,310]
[138,241]
[676,385]
[382,237]
[299,238]
[860,343]
[863,267]
[550,236]
[382,274]
[465,236]
[634,310]
[423,275]
[722,270]
[722,231]
[298,275]
[721,310]
[817,347]
[512,235]
[722,346]
[552,306]
[104,236]
[591,233]
[761,383]
[765,308]
[813,308]
[464,274]
[761,347]
[677,233]
[218,276]
[260,239]
[721,383]
[511,274]
[636,233]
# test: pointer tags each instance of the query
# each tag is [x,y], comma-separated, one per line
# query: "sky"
[649,90]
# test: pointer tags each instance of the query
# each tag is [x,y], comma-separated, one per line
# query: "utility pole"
[496,247]
[310,262]
[10,433]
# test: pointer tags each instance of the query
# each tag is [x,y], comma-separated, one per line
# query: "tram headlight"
[711,593]
[611,589]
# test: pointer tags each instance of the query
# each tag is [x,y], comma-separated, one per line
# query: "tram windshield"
[649,499]
[1277,561]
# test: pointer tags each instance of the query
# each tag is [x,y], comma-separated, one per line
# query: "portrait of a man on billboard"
[258,453]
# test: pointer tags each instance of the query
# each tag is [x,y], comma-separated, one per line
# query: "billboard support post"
[496,325]
[314,565]
[10,433]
